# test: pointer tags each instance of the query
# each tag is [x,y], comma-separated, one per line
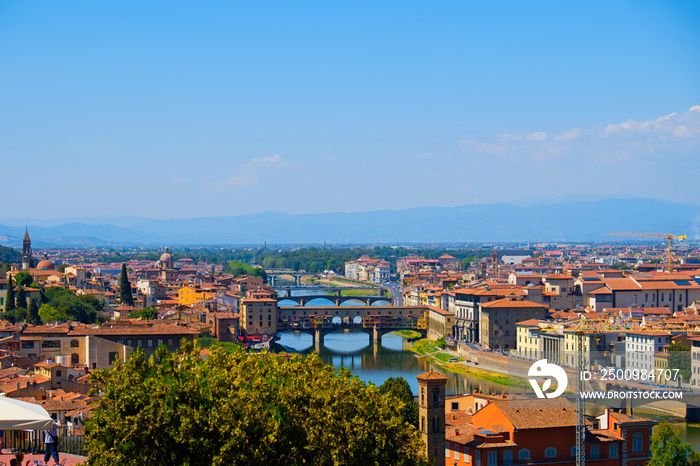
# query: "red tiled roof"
[512,304]
[431,375]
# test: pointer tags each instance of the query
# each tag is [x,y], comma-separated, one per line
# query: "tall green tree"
[24,278]
[679,358]
[125,288]
[407,404]
[21,298]
[10,297]
[234,408]
[668,449]
[33,313]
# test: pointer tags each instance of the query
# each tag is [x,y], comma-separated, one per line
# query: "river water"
[376,363]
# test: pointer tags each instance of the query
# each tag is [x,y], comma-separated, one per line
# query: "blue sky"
[188,109]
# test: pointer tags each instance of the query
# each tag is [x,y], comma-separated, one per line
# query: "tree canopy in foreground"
[668,448]
[240,409]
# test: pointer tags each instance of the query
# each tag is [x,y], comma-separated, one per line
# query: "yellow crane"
[667,236]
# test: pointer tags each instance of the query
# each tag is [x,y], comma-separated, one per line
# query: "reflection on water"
[376,363]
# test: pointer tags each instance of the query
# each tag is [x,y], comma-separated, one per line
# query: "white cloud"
[536,136]
[569,135]
[607,144]
[662,123]
[684,132]
[269,161]
[248,173]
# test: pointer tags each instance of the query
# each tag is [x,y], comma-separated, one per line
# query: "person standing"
[51,441]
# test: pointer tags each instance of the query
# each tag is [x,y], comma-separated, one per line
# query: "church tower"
[26,250]
[431,411]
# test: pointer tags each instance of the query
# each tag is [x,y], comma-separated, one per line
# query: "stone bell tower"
[26,250]
[431,411]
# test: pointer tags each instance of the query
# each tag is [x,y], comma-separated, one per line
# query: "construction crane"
[579,333]
[667,236]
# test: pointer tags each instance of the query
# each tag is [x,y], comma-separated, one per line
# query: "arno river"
[376,363]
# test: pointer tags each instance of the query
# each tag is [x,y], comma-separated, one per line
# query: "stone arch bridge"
[373,320]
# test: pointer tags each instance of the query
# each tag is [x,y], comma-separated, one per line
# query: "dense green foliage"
[24,278]
[10,296]
[399,388]
[238,269]
[312,259]
[679,358]
[10,256]
[61,304]
[244,410]
[33,313]
[21,300]
[147,313]
[126,297]
[668,449]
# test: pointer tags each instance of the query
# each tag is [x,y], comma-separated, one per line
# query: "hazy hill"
[570,221]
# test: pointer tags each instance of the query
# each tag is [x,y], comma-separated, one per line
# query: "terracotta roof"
[529,323]
[537,414]
[431,375]
[512,304]
[623,418]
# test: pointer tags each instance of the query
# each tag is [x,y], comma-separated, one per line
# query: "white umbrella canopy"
[20,415]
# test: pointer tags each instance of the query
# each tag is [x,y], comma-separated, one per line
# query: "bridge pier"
[376,336]
[318,335]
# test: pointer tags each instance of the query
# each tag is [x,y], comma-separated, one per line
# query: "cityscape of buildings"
[522,307]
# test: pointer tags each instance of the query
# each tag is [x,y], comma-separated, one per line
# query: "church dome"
[166,256]
[45,264]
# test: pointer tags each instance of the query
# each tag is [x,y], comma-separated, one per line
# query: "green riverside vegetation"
[235,408]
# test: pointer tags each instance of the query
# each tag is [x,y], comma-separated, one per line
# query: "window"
[455,405]
[613,450]
[447,450]
[524,454]
[507,457]
[492,459]
[637,442]
[149,343]
[595,452]
[436,395]
[456,451]
[550,452]
[74,343]
[27,344]
[51,344]
[113,355]
[75,358]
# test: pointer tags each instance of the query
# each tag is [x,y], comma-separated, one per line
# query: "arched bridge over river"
[373,320]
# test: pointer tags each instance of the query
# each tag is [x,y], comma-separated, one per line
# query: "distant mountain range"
[562,221]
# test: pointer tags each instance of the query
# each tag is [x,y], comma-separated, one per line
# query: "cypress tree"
[125,288]
[10,298]
[22,298]
[33,313]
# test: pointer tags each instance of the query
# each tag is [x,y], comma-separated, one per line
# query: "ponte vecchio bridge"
[373,320]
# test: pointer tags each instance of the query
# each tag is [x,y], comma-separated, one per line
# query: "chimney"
[456,431]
